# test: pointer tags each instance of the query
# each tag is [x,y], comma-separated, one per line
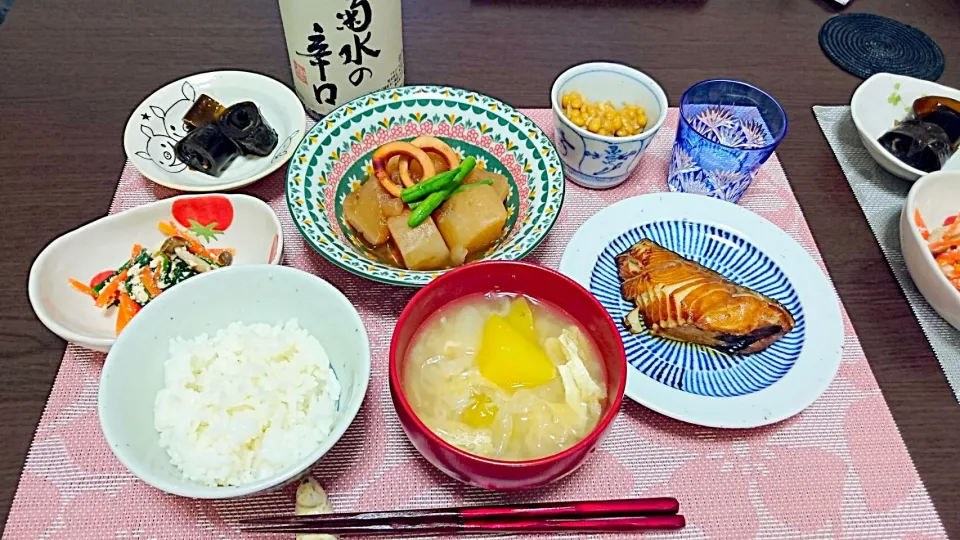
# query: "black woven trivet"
[864,44]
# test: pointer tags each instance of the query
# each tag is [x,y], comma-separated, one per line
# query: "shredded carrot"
[146,277]
[935,246]
[924,232]
[109,292]
[137,249]
[82,287]
[168,229]
[952,256]
[128,308]
[217,251]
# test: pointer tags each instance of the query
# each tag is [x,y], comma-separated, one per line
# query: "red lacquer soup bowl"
[539,283]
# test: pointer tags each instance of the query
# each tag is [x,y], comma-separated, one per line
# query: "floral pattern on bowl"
[334,159]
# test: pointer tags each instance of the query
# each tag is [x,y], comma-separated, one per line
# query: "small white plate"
[156,125]
[697,384]
[885,99]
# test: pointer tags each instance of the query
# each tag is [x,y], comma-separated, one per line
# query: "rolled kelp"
[243,124]
[207,149]
[921,145]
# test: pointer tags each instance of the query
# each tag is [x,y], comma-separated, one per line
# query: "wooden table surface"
[71,72]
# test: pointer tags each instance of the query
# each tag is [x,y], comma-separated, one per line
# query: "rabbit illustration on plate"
[172,116]
[161,149]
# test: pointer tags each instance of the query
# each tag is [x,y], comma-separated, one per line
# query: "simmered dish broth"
[505,377]
[433,212]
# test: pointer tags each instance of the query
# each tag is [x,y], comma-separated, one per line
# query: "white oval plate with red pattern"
[244,223]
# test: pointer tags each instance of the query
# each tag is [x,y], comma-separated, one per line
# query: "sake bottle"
[342,49]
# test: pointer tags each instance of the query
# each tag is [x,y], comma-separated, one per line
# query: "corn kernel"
[603,117]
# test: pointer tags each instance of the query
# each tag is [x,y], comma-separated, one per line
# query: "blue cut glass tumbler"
[727,130]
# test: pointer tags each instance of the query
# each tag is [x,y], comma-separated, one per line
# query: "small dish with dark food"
[214,131]
[911,127]
[929,137]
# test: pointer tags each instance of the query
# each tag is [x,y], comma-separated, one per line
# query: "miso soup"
[505,377]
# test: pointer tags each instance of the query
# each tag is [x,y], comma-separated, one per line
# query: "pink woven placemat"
[839,469]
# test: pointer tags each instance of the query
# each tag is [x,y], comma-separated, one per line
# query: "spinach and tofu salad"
[145,275]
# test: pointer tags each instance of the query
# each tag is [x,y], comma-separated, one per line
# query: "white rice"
[246,403]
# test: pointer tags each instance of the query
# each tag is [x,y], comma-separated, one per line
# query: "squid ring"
[404,149]
[428,144]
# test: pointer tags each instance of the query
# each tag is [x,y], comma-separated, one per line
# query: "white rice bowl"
[246,403]
[141,366]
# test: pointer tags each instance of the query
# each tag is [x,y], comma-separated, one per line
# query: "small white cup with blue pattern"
[599,161]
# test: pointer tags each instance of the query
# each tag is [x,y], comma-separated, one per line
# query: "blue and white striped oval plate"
[700,384]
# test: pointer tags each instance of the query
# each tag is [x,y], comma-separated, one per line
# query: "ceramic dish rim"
[33,284]
[393,375]
[386,280]
[653,85]
[909,206]
[587,244]
[291,472]
[228,186]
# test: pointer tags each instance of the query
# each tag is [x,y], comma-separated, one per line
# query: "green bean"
[464,169]
[426,187]
[435,199]
[427,206]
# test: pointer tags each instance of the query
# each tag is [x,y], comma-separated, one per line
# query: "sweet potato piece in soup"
[422,247]
[500,183]
[362,211]
[472,219]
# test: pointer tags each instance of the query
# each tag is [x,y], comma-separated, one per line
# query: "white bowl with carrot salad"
[930,241]
[86,285]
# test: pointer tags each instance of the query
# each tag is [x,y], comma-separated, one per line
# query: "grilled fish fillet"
[679,299]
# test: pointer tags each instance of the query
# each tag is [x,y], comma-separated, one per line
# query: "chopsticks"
[623,515]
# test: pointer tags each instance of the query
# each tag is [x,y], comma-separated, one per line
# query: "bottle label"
[342,49]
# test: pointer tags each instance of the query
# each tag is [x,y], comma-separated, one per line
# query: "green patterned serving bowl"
[334,158]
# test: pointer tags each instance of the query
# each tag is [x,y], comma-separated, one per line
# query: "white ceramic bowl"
[134,369]
[156,125]
[936,196]
[885,99]
[250,227]
[597,161]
